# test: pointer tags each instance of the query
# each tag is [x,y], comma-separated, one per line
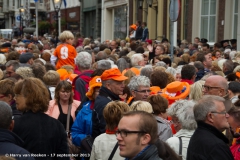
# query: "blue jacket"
[145,34]
[10,144]
[82,125]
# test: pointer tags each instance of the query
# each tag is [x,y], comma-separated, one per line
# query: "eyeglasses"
[207,88]
[29,48]
[124,133]
[143,91]
[224,112]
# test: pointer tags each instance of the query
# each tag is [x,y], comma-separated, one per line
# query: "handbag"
[87,143]
[72,148]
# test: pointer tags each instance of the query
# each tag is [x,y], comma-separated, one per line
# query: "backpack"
[79,92]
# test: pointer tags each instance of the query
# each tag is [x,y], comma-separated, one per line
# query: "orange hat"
[63,74]
[133,69]
[72,76]
[238,74]
[133,26]
[176,90]
[154,90]
[114,74]
[95,82]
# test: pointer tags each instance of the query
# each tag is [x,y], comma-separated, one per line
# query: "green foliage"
[44,25]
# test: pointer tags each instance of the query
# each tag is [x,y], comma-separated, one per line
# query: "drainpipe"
[103,22]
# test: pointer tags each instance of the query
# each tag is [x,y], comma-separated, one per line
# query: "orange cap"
[63,74]
[95,82]
[155,90]
[114,74]
[238,74]
[176,90]
[133,26]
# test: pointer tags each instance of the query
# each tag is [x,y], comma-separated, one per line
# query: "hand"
[150,48]
[113,51]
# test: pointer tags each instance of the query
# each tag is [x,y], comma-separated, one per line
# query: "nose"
[118,136]
[227,115]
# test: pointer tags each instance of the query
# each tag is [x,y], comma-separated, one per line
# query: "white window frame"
[209,15]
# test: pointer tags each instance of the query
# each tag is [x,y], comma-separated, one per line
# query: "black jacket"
[98,123]
[10,143]
[16,113]
[208,143]
[139,32]
[151,153]
[42,134]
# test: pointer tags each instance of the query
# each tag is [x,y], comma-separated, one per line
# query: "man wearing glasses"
[208,141]
[112,87]
[218,86]
[11,67]
[136,135]
[140,88]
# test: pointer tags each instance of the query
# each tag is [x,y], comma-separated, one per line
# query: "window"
[235,19]
[208,20]
[120,22]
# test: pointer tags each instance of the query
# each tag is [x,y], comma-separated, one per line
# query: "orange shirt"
[65,54]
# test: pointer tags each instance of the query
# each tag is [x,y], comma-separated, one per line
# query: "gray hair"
[13,63]
[232,54]
[25,72]
[103,64]
[122,64]
[206,105]
[185,115]
[137,57]
[171,70]
[137,81]
[172,110]
[84,60]
[161,63]
[146,71]
[5,115]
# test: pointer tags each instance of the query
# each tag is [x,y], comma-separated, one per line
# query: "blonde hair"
[25,72]
[66,35]
[196,90]
[113,112]
[69,68]
[141,106]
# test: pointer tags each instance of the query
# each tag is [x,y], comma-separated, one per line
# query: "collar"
[213,130]
[188,81]
[140,153]
[109,94]
[111,131]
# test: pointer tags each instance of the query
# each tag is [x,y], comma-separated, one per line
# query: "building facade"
[69,15]
[115,19]
[214,20]
[12,15]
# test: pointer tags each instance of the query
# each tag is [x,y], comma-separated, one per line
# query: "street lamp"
[21,10]
[57,6]
[150,2]
[140,4]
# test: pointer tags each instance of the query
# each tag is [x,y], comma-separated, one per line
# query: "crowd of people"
[126,99]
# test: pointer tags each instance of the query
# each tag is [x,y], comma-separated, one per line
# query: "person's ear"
[146,139]
[209,117]
[11,126]
[133,93]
